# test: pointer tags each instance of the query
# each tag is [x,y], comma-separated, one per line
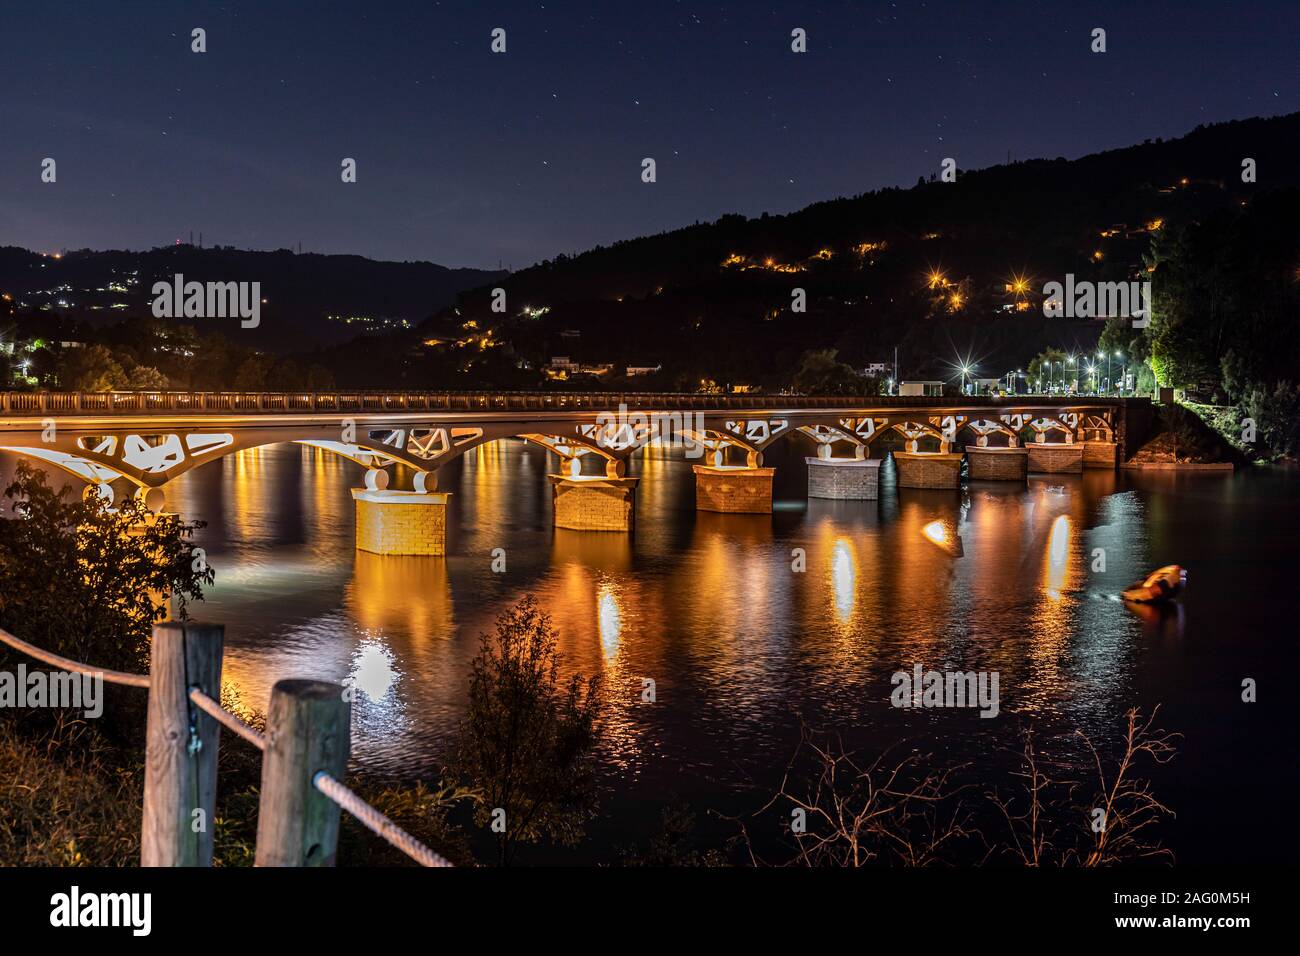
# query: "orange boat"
[1161,585]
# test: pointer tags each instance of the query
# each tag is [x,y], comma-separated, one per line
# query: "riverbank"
[1186,442]
[1166,453]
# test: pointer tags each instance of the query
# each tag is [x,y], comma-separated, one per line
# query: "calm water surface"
[740,647]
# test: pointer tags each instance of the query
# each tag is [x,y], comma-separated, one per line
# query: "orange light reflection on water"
[1056,568]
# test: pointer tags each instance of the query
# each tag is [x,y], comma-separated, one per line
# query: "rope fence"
[172,660]
[67,664]
[375,821]
[228,720]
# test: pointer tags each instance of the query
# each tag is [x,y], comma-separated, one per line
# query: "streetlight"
[1120,356]
[1070,362]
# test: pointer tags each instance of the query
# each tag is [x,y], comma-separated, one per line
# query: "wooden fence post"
[180,777]
[308,729]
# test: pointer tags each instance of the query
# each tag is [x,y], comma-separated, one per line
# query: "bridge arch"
[985,432]
[153,461]
[1049,431]
[913,433]
[716,443]
[1096,428]
[827,437]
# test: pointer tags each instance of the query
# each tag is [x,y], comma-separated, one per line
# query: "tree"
[91,369]
[286,375]
[146,378]
[252,373]
[319,378]
[1120,336]
[820,373]
[1275,410]
[88,581]
[1041,368]
[527,742]
[852,812]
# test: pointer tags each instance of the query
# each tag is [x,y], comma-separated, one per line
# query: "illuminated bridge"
[134,442]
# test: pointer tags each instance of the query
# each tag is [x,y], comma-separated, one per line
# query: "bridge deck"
[37,404]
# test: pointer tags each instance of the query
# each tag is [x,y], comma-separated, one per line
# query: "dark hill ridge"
[713,299]
[302,292]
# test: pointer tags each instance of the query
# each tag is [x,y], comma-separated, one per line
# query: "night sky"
[468,158]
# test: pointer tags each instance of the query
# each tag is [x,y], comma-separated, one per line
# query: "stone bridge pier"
[583,502]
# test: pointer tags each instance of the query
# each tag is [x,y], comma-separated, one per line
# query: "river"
[741,647]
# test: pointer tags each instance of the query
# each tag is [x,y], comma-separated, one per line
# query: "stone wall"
[1100,454]
[733,490]
[921,470]
[401,522]
[593,504]
[997,464]
[845,479]
[1136,420]
[1057,459]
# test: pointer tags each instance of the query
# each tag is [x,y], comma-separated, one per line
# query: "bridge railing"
[305,753]
[233,402]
